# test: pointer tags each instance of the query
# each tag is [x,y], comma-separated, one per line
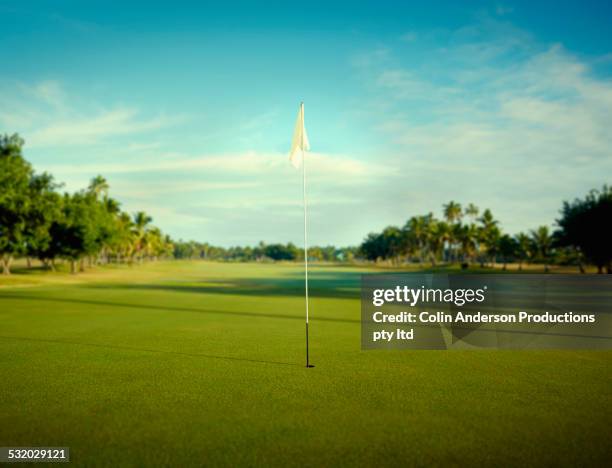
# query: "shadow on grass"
[345,285]
[170,308]
[146,350]
[324,284]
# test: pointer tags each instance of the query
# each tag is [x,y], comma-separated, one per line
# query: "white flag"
[300,140]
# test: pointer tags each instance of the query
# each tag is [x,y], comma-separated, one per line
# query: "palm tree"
[418,230]
[97,186]
[489,236]
[472,211]
[438,233]
[453,214]
[109,228]
[468,239]
[167,246]
[542,241]
[141,221]
[524,248]
[125,245]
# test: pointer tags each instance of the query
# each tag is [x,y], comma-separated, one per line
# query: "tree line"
[466,235]
[262,252]
[88,227]
[84,228]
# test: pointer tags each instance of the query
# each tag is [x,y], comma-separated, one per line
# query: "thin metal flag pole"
[305,235]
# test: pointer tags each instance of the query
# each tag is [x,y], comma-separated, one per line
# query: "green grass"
[191,364]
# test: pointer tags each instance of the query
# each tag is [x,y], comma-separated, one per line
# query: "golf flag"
[299,144]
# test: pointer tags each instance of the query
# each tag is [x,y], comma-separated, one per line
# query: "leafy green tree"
[281,252]
[374,247]
[15,175]
[584,225]
[393,241]
[68,233]
[44,210]
[507,248]
[77,235]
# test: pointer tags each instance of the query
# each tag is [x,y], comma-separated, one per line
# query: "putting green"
[197,363]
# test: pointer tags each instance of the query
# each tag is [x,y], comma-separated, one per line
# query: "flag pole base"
[309,365]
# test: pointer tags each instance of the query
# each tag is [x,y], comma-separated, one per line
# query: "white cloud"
[49,92]
[92,129]
[49,117]
[497,118]
[340,168]
[484,114]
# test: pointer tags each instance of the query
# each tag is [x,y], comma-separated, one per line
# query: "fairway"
[199,363]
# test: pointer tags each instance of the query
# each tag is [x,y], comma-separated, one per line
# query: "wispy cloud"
[79,131]
[49,92]
[342,169]
[47,115]
[497,118]
[484,113]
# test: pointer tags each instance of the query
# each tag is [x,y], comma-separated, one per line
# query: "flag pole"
[305,235]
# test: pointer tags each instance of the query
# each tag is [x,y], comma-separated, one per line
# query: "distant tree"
[348,254]
[15,175]
[44,210]
[439,233]
[329,253]
[77,233]
[488,238]
[418,234]
[524,250]
[392,239]
[389,244]
[68,233]
[98,186]
[123,245]
[373,247]
[140,225]
[281,252]
[452,214]
[507,248]
[584,225]
[467,236]
[111,229]
[542,243]
[472,212]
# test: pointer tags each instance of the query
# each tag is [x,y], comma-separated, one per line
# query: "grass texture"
[202,364]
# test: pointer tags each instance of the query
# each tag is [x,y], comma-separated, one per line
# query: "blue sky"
[188,111]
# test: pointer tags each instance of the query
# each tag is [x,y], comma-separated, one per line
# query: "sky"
[188,109]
